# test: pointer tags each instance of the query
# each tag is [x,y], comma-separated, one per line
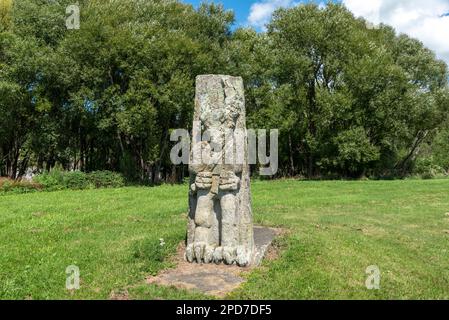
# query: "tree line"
[350,99]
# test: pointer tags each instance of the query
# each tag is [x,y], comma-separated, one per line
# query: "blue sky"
[426,20]
[241,8]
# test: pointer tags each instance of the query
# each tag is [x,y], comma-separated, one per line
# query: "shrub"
[12,186]
[77,180]
[426,169]
[53,180]
[106,179]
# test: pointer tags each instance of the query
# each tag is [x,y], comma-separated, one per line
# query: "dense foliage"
[61,180]
[349,100]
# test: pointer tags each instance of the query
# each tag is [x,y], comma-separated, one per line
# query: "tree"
[362,100]
[349,100]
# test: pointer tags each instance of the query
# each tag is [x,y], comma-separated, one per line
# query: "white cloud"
[421,19]
[260,12]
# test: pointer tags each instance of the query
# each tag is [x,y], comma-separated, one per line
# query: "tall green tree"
[349,99]
[361,100]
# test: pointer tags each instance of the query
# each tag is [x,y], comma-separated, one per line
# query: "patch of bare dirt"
[211,279]
[121,295]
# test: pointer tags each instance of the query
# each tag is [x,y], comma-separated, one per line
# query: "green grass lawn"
[335,231]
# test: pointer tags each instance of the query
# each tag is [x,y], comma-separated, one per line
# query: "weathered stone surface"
[220,219]
[263,237]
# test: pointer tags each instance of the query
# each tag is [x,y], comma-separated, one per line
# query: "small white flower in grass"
[162,242]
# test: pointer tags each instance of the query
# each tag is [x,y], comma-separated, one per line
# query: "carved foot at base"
[225,254]
[229,255]
[243,256]
[232,255]
[218,255]
[199,252]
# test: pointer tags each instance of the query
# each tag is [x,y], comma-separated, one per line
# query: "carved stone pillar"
[220,218]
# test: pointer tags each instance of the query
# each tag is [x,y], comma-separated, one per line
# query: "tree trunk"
[414,150]
[292,163]
[311,97]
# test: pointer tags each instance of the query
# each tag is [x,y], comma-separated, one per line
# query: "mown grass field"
[335,231]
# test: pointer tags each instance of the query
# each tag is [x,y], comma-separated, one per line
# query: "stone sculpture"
[220,225]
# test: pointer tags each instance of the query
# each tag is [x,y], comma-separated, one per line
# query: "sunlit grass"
[335,231]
